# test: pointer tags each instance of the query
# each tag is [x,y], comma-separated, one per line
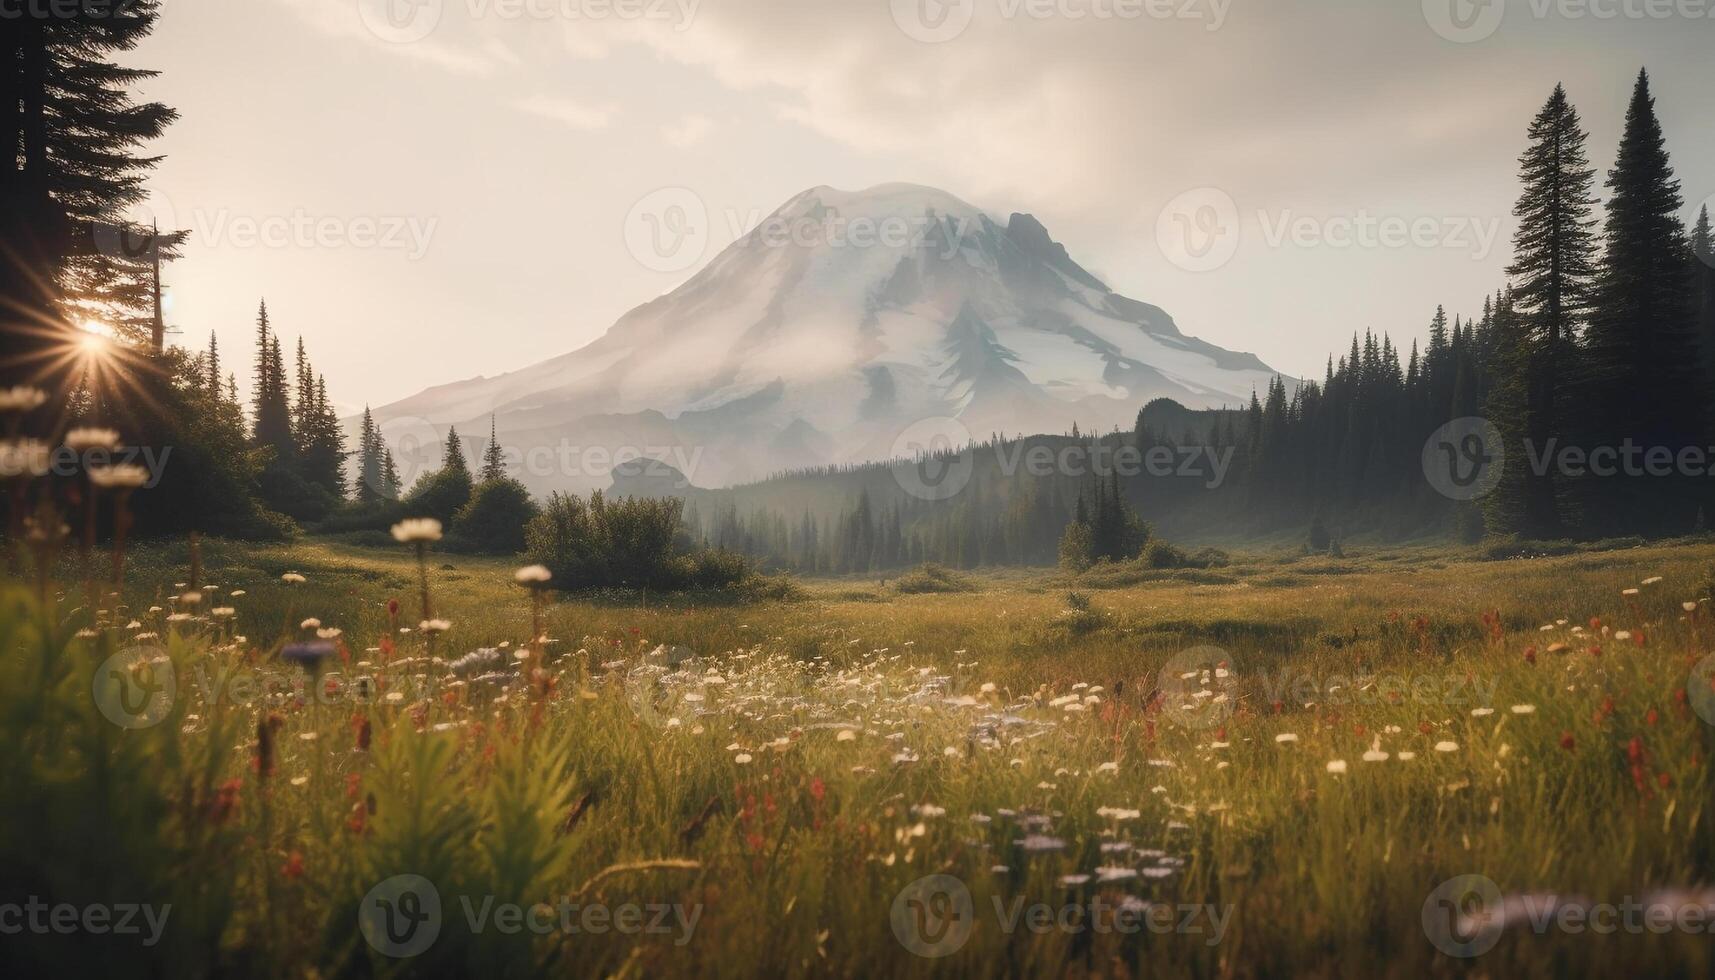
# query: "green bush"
[492,522]
[631,542]
[932,578]
[439,495]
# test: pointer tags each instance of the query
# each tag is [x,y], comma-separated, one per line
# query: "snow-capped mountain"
[828,330]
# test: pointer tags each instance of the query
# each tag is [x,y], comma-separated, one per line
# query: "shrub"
[632,542]
[439,495]
[492,522]
[932,578]
[1075,548]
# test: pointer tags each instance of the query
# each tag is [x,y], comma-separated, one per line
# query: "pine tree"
[211,378]
[452,458]
[1645,381]
[74,161]
[1553,270]
[389,472]
[493,457]
[370,479]
[271,425]
[1703,275]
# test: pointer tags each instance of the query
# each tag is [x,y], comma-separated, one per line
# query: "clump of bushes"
[629,542]
[493,520]
[1079,618]
[933,578]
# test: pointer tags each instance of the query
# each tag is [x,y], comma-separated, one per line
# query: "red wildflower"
[1530,655]
[294,866]
[225,801]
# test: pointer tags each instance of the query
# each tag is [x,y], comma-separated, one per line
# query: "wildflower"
[845,735]
[1566,741]
[1406,756]
[223,612]
[1041,844]
[1652,580]
[1688,606]
[85,439]
[119,476]
[225,801]
[1524,709]
[434,626]
[532,575]
[1482,712]
[743,758]
[1446,746]
[292,578]
[1375,755]
[417,529]
[331,633]
[294,866]
[1337,766]
[21,399]
[1285,737]
[310,624]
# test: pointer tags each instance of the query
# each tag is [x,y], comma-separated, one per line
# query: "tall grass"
[265,815]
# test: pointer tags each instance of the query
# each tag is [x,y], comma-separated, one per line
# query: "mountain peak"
[826,345]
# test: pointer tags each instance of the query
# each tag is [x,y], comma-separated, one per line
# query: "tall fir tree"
[271,419]
[493,457]
[75,164]
[370,469]
[1703,276]
[1553,271]
[453,458]
[1644,384]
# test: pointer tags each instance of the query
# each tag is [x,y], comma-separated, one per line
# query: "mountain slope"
[837,323]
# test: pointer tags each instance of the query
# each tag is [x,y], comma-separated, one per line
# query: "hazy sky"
[429,190]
